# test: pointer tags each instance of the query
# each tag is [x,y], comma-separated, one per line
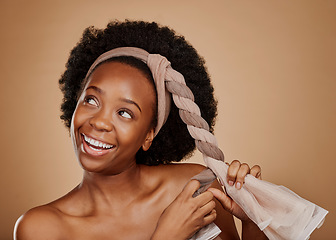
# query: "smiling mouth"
[95,147]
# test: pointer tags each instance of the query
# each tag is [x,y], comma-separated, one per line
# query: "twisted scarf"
[277,211]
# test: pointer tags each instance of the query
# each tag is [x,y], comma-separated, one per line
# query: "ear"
[148,140]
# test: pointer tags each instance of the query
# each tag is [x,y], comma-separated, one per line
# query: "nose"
[102,121]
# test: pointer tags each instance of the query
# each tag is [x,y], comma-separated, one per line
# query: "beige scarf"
[277,211]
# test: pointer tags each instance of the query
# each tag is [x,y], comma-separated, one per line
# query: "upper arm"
[38,224]
[224,219]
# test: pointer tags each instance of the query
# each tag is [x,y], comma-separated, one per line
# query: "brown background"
[272,64]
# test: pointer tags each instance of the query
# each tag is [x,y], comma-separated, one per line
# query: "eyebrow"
[126,100]
[131,102]
[97,89]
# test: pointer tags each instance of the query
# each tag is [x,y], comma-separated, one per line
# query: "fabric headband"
[279,212]
[158,65]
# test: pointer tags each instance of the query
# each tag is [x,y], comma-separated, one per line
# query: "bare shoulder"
[185,169]
[43,222]
[181,171]
[173,177]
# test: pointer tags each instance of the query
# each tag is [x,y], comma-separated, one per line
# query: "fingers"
[207,212]
[191,188]
[256,171]
[210,217]
[237,172]
[207,208]
[242,172]
[201,208]
[204,198]
[232,172]
[204,202]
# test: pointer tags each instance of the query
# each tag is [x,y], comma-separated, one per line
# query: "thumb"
[224,199]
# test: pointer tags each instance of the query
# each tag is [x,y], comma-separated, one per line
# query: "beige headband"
[167,80]
[158,65]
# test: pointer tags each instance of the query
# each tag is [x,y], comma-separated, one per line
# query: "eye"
[91,100]
[125,114]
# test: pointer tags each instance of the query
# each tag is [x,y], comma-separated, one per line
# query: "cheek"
[72,131]
[76,122]
[78,118]
[131,134]
[78,113]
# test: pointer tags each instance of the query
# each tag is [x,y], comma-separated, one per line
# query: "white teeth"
[96,143]
[94,148]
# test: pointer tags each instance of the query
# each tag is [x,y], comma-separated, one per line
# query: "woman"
[130,188]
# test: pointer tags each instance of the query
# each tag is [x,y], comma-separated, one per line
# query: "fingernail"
[231,183]
[238,185]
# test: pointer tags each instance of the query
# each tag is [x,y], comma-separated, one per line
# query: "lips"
[95,147]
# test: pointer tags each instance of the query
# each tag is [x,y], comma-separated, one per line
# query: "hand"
[186,215]
[235,177]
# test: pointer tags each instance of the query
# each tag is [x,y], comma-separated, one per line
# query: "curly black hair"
[173,143]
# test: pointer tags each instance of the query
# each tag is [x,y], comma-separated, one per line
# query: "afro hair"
[173,143]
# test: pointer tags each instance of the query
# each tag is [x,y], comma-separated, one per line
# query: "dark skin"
[117,198]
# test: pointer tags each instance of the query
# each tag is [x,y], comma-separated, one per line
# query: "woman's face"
[113,118]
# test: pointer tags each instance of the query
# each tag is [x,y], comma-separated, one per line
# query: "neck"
[107,190]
